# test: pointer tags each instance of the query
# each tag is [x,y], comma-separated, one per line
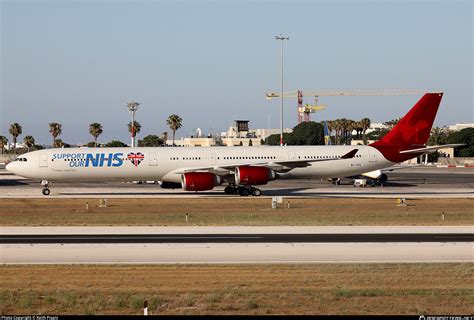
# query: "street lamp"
[132,108]
[281,37]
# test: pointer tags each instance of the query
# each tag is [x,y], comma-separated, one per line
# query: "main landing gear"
[46,190]
[243,191]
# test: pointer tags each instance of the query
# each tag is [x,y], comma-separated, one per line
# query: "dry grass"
[237,211]
[239,289]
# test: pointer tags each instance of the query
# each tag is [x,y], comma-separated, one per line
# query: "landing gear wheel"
[46,192]
[229,190]
[256,192]
[244,192]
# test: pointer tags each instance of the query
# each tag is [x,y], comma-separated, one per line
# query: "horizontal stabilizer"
[432,148]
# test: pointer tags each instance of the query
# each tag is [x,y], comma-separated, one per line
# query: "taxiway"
[420,182]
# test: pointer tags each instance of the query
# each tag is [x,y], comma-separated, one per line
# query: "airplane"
[242,168]
[374,177]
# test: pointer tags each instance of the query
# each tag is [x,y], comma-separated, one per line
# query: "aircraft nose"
[11,167]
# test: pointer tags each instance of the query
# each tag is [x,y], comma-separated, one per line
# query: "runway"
[204,245]
[237,238]
[238,253]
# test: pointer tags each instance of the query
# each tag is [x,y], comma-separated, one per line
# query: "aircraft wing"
[305,163]
[285,165]
[432,148]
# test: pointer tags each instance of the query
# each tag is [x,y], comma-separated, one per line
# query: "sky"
[211,62]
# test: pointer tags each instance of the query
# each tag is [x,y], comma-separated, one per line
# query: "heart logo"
[135,158]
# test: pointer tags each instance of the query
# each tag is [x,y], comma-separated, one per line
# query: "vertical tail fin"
[412,131]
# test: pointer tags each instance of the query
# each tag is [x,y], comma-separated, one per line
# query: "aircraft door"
[291,156]
[153,159]
[213,158]
[43,160]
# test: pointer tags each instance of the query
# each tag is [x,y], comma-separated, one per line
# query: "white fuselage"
[168,163]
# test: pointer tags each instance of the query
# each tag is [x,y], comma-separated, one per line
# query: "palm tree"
[392,123]
[358,128]
[136,128]
[58,143]
[164,136]
[438,136]
[338,130]
[3,143]
[55,129]
[29,142]
[365,124]
[95,129]
[174,122]
[344,128]
[351,126]
[330,125]
[15,130]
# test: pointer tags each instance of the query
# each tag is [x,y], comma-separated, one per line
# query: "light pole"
[132,108]
[281,37]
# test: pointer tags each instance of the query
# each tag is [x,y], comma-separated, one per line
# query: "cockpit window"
[21,159]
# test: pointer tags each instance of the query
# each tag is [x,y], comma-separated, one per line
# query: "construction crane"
[305,111]
[308,109]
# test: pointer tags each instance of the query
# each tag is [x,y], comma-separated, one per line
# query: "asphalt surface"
[236,238]
[195,245]
[413,182]
[237,253]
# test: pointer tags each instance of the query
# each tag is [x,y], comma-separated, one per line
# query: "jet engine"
[252,175]
[376,176]
[199,181]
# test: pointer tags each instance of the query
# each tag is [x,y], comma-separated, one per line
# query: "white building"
[460,126]
[375,126]
[19,145]
[237,135]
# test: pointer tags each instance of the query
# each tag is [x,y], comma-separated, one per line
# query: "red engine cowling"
[249,175]
[199,181]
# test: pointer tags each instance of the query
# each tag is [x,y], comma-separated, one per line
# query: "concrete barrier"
[454,162]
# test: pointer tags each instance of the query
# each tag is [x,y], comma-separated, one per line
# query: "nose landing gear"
[45,185]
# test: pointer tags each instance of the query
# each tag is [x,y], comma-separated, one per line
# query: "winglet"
[350,154]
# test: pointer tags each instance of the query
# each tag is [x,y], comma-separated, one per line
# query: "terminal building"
[239,134]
